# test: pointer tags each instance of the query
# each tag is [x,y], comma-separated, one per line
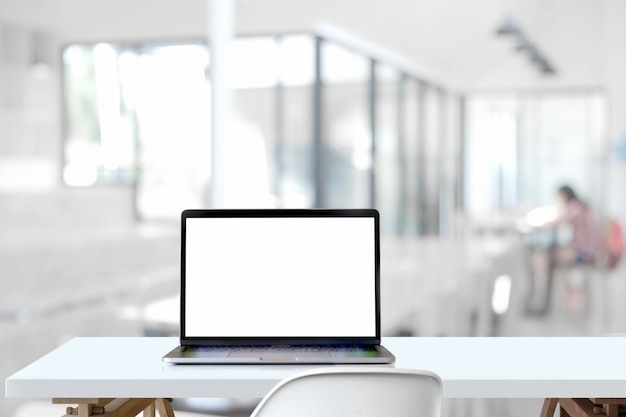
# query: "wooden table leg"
[549,407]
[127,407]
[86,406]
[164,405]
[150,411]
[610,407]
[583,407]
[611,410]
[118,407]
[577,407]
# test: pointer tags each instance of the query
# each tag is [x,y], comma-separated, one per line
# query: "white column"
[221,18]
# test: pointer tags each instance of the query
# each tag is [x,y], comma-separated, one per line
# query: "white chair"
[354,391]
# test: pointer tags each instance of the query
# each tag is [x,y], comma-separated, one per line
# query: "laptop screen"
[279,275]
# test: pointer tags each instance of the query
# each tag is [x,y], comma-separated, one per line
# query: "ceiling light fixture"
[525,45]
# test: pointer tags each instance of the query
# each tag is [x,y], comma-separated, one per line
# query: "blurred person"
[582,249]
[586,238]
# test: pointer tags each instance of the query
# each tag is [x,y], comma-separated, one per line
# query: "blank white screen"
[280,277]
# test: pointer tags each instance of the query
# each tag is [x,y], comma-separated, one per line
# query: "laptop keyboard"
[279,348]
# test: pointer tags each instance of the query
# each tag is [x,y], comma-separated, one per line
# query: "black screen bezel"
[274,213]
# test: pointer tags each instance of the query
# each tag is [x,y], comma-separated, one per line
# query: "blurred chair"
[354,391]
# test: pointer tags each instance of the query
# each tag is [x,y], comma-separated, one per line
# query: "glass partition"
[346,139]
[294,163]
[451,164]
[434,145]
[388,164]
[410,143]
[166,90]
[99,145]
[561,142]
[522,147]
[327,126]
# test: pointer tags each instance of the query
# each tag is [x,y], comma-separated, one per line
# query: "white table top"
[469,368]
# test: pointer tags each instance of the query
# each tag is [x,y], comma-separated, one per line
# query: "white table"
[556,368]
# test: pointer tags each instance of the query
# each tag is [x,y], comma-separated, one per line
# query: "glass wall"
[249,146]
[434,144]
[347,141]
[522,147]
[317,122]
[138,115]
[294,139]
[166,90]
[99,143]
[451,164]
[389,165]
[411,140]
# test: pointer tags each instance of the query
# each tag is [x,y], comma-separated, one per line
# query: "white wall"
[99,20]
[615,81]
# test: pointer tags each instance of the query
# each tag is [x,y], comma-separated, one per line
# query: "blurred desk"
[557,368]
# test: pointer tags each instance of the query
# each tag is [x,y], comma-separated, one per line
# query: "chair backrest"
[354,391]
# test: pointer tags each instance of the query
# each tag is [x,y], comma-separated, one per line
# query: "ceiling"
[453,38]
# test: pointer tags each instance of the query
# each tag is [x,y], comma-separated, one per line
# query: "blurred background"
[457,120]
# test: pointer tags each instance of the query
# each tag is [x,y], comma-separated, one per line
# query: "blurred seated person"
[583,248]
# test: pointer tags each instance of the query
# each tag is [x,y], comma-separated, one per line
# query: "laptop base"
[369,354]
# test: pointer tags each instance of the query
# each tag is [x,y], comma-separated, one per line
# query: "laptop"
[280,286]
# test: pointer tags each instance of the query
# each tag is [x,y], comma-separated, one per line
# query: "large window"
[346,136]
[99,143]
[411,120]
[139,115]
[389,165]
[294,164]
[168,93]
[522,147]
[316,122]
